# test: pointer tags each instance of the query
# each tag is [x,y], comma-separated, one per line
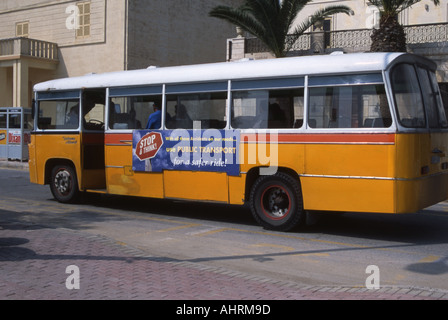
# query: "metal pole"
[7,134]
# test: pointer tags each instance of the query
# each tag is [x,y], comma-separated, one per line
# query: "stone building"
[367,16]
[48,39]
[426,27]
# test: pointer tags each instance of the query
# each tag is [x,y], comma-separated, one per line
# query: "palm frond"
[271,20]
[266,12]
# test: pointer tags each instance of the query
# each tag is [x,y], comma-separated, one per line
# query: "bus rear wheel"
[276,202]
[64,184]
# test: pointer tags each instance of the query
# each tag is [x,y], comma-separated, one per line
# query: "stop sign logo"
[149,145]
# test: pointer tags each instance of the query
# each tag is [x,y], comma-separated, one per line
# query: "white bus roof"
[248,69]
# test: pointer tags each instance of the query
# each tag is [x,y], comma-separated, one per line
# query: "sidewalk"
[13,164]
[34,259]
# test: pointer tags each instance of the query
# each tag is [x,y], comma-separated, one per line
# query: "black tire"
[276,202]
[64,184]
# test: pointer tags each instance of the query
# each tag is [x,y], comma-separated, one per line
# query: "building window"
[22,29]
[84,20]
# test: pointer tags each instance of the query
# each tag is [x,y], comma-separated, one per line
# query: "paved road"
[138,249]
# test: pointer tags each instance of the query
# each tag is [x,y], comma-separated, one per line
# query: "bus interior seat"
[333,124]
[213,124]
[298,123]
[312,123]
[121,126]
[243,122]
[377,123]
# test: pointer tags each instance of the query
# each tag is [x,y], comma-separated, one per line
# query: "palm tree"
[390,35]
[272,20]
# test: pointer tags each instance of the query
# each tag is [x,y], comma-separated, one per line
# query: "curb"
[17,165]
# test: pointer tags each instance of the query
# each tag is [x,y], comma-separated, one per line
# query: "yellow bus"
[343,132]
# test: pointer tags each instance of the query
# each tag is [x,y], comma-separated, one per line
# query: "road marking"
[277,246]
[214,231]
[398,278]
[190,225]
[208,231]
[290,249]
[429,259]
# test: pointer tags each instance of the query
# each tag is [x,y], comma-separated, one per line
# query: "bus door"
[92,138]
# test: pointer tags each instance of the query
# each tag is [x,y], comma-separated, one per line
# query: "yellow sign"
[3,135]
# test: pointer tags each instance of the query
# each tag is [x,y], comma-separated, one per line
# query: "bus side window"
[131,112]
[268,109]
[286,108]
[431,97]
[437,96]
[196,110]
[407,96]
[58,114]
[360,106]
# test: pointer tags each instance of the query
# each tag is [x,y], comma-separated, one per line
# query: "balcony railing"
[28,47]
[427,33]
[357,40]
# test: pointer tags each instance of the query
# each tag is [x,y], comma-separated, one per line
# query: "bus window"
[93,110]
[360,106]
[196,110]
[437,96]
[131,112]
[58,114]
[275,109]
[431,97]
[408,97]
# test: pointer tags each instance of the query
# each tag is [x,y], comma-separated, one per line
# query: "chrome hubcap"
[276,202]
[62,182]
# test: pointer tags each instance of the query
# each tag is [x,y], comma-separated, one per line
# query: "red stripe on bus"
[119,138]
[325,138]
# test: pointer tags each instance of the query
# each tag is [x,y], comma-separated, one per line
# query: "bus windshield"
[417,105]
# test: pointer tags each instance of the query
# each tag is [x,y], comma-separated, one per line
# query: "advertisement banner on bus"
[209,150]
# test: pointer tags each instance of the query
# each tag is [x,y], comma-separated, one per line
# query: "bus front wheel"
[276,202]
[64,184]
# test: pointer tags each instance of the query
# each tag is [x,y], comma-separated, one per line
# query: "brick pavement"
[33,262]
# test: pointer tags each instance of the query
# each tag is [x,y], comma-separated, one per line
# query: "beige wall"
[23,4]
[125,34]
[102,51]
[6,88]
[160,32]
[48,22]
